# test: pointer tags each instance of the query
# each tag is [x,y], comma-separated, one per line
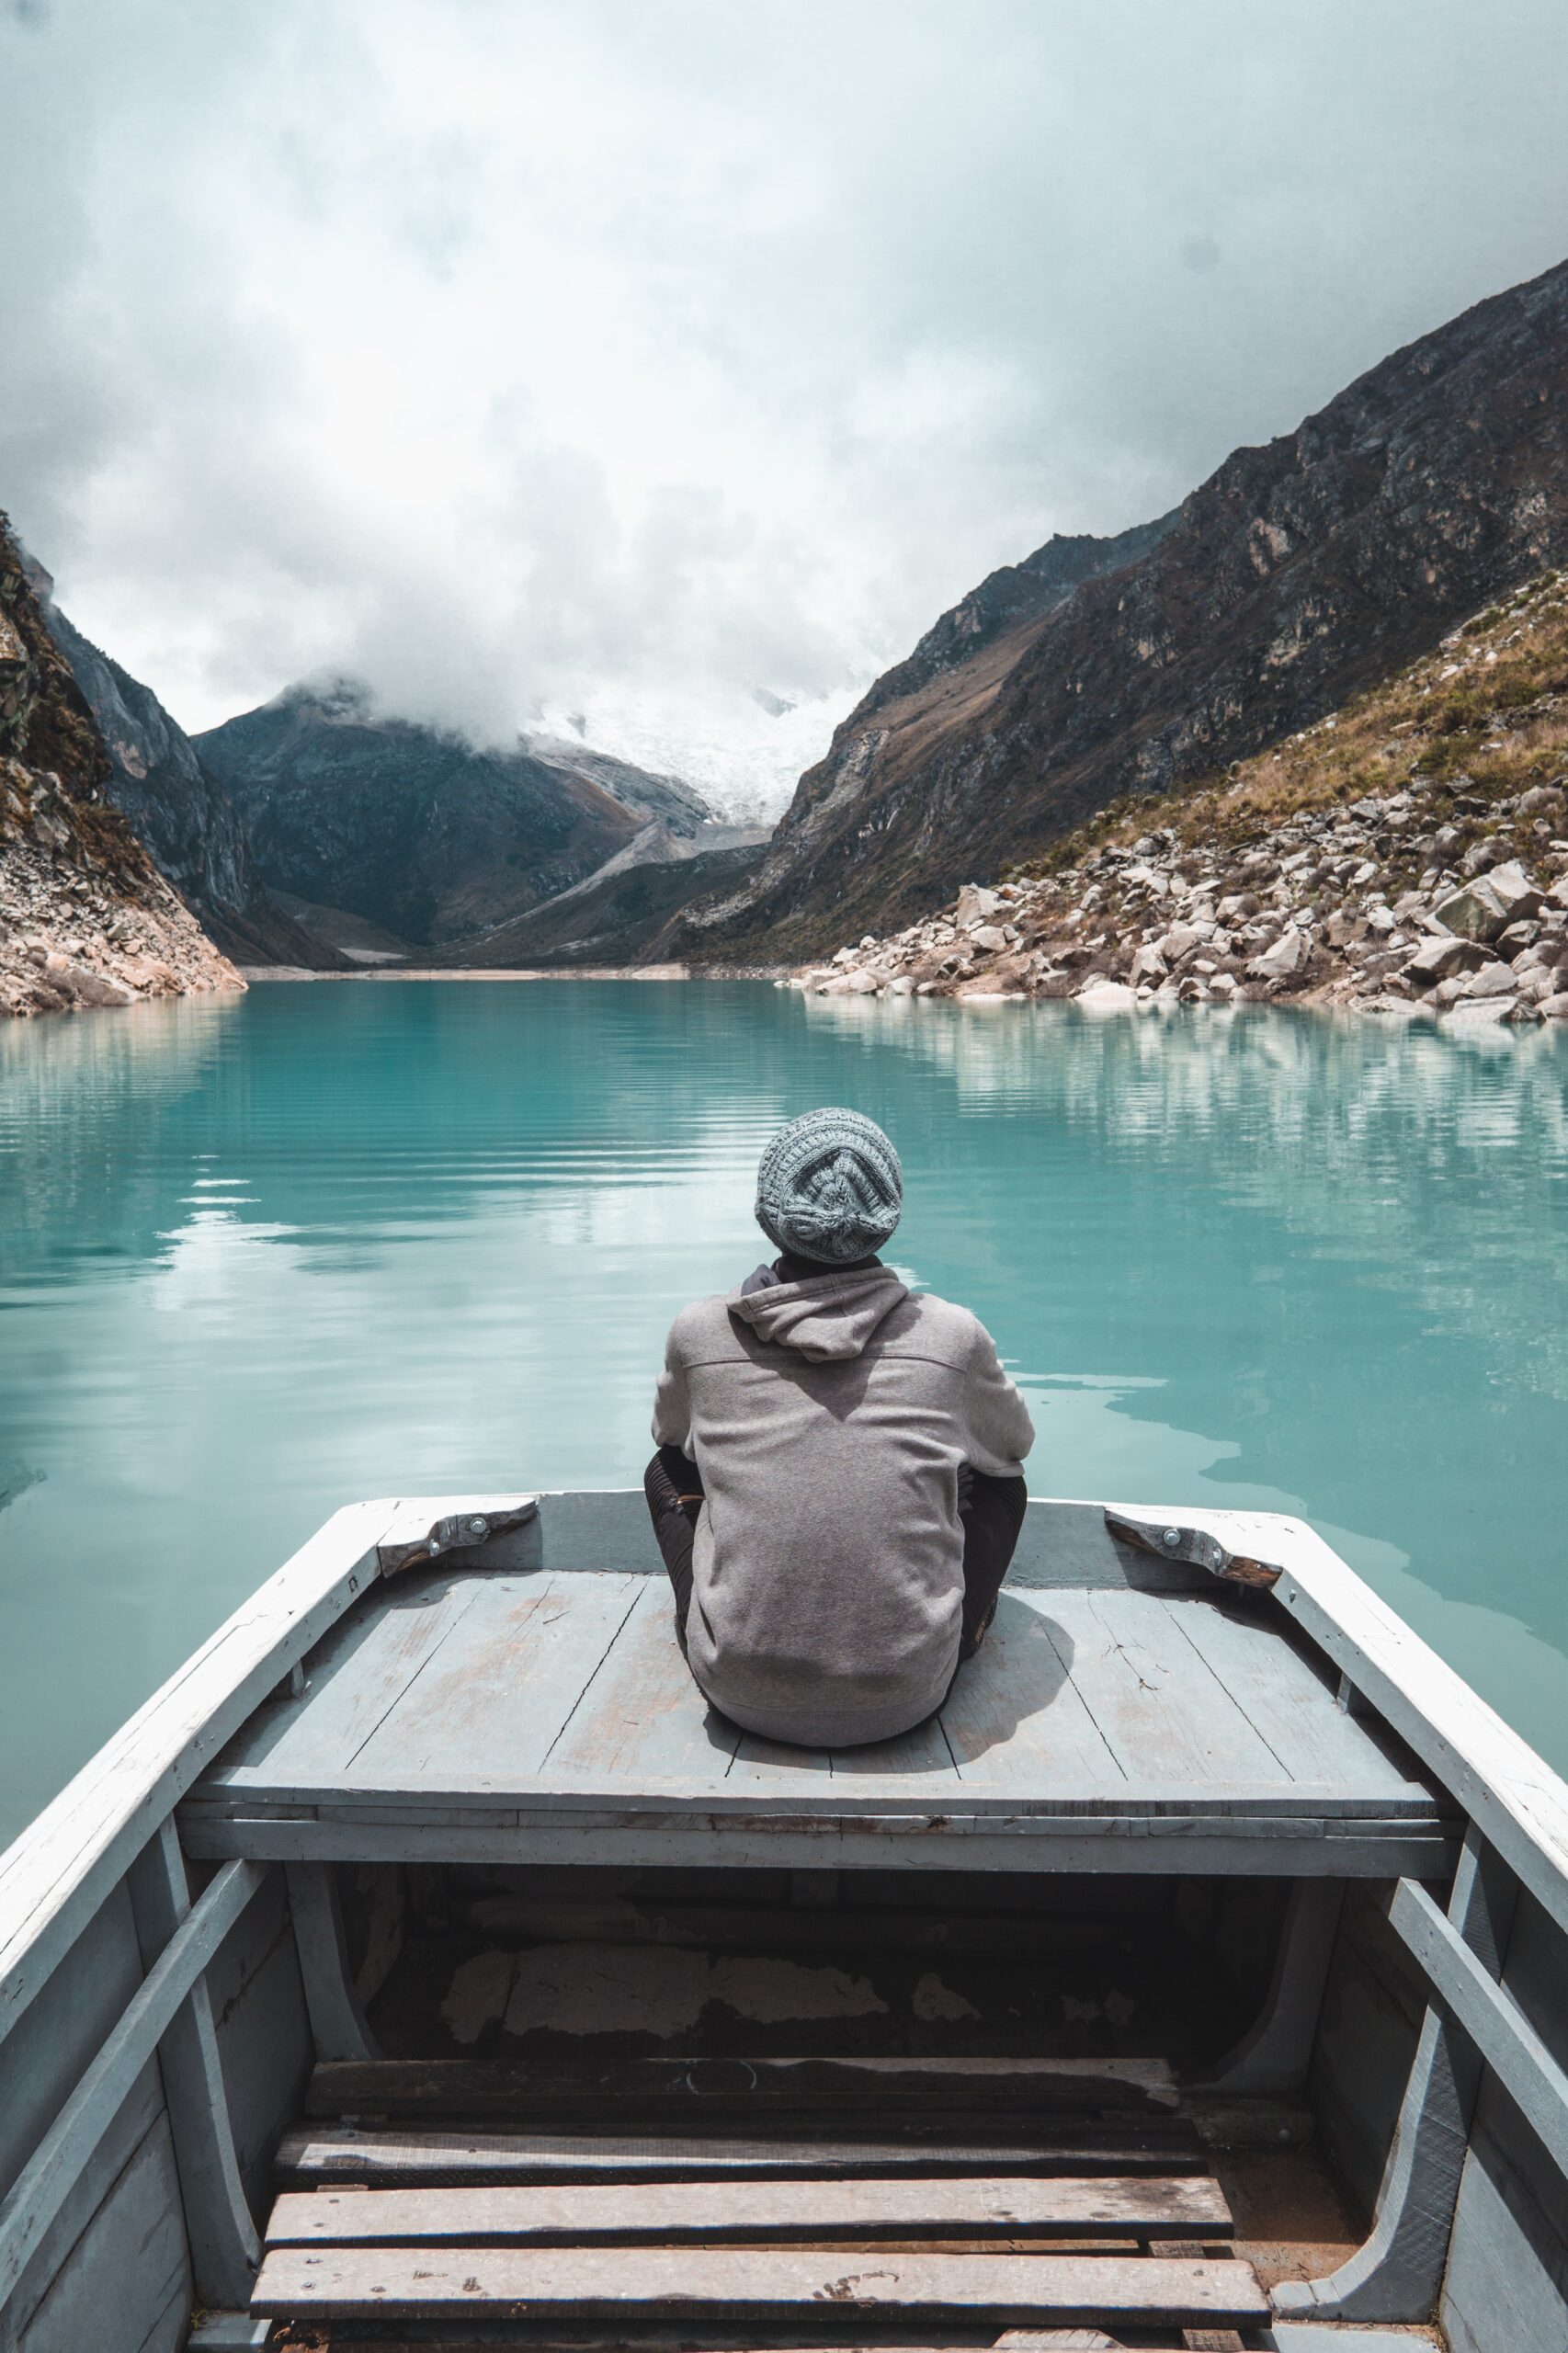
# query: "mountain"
[1297,574]
[613,917]
[418,832]
[176,809]
[1407,853]
[86,918]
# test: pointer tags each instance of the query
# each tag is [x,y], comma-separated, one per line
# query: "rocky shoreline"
[1408,855]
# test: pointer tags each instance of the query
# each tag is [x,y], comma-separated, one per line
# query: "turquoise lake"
[260,1256]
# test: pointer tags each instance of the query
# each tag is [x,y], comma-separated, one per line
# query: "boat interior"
[430,1966]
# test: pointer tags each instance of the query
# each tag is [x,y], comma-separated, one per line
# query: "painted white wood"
[338,2022]
[224,2247]
[36,2196]
[1516,1801]
[1273,2055]
[56,1874]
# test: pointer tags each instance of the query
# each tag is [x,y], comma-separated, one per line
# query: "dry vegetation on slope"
[1410,849]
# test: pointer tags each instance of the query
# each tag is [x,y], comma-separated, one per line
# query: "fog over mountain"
[661,366]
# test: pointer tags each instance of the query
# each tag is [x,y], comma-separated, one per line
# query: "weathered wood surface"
[514,2283]
[1183,2206]
[40,2190]
[224,2247]
[1489,2017]
[321,2155]
[1512,1794]
[56,1874]
[125,2281]
[555,1710]
[737,2085]
[1397,2271]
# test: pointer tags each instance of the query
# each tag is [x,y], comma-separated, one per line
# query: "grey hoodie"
[829,1419]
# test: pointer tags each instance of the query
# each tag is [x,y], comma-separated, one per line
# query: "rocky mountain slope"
[176,810]
[420,832]
[1407,853]
[612,917]
[86,918]
[1298,574]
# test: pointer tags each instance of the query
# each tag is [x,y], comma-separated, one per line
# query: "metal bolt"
[479,1527]
[1170,1538]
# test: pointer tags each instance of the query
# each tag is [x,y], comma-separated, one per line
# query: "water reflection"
[257,1257]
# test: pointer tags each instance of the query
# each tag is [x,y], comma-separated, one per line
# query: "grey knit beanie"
[829,1188]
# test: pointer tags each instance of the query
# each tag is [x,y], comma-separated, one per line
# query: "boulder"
[1284,960]
[81,984]
[1489,904]
[1107,996]
[1148,964]
[988,937]
[975,907]
[1484,1009]
[1443,956]
[1554,1008]
[1180,940]
[1492,980]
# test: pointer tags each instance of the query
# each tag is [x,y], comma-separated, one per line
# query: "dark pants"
[991,1511]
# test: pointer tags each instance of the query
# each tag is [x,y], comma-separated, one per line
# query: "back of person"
[836,1429]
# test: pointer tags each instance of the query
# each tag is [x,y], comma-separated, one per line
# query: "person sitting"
[838,1487]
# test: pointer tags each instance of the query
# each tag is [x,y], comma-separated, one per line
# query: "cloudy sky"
[622,357]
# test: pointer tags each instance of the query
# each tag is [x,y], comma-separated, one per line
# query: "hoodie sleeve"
[672,1401]
[1000,1432]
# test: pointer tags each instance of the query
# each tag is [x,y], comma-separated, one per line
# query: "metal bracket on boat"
[1193,1545]
[457,1532]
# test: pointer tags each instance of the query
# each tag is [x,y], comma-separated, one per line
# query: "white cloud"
[589,356]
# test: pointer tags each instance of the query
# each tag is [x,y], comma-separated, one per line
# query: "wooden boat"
[425,1964]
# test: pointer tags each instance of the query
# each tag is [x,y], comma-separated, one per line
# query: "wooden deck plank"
[423,2156]
[735,2086]
[920,1754]
[771,1766]
[1014,1718]
[653,2282]
[1163,1712]
[365,1666]
[1296,1711]
[643,1718]
[1181,2206]
[497,1700]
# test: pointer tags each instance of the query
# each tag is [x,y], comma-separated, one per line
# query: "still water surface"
[258,1257]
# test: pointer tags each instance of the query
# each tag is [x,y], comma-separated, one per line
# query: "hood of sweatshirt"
[830,1317]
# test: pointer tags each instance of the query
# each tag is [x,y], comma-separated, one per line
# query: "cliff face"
[176,808]
[86,918]
[418,832]
[1298,574]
